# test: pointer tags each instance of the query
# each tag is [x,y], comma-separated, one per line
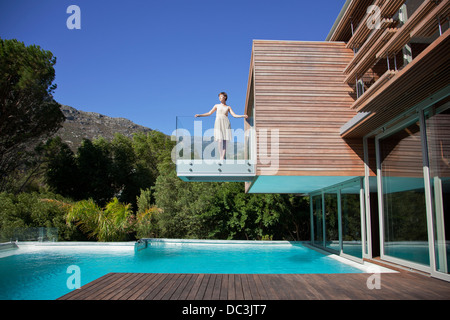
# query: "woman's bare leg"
[222,149]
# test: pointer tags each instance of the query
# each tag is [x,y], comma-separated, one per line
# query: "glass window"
[404,210]
[317,219]
[351,220]
[331,221]
[438,142]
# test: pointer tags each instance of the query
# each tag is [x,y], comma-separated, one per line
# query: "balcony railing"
[197,155]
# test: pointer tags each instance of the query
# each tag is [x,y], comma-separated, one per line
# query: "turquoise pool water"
[41,272]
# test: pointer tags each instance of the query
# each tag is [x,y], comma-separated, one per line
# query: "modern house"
[360,123]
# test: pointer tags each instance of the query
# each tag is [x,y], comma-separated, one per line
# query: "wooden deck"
[159,286]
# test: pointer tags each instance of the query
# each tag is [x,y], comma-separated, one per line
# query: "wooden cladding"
[431,23]
[402,36]
[401,153]
[438,141]
[360,65]
[300,103]
[368,24]
[426,75]
[353,14]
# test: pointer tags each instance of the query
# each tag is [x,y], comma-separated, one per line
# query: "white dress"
[222,126]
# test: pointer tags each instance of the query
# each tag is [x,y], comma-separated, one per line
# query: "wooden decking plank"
[418,288]
[119,288]
[340,286]
[356,287]
[128,290]
[184,281]
[91,285]
[155,288]
[209,287]
[165,290]
[129,286]
[391,289]
[246,288]
[189,286]
[402,288]
[431,291]
[238,287]
[174,284]
[303,288]
[277,284]
[253,287]
[195,287]
[315,290]
[328,281]
[146,283]
[285,286]
[224,287]
[202,287]
[266,280]
[104,281]
[217,287]
[259,285]
[231,287]
[103,290]
[109,290]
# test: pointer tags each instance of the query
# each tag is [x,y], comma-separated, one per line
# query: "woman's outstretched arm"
[208,113]
[237,116]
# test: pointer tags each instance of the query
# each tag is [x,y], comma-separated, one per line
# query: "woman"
[222,127]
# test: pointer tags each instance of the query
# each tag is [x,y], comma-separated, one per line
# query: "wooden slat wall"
[438,128]
[299,90]
[355,12]
[401,153]
[429,72]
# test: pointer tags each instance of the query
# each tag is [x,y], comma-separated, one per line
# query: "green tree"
[61,172]
[112,223]
[94,167]
[28,112]
[294,223]
[147,216]
[102,170]
[31,210]
[152,149]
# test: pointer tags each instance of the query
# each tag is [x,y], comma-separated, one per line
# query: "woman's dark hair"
[225,94]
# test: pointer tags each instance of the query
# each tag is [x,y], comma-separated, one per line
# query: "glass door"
[404,212]
[317,214]
[351,219]
[437,122]
[332,221]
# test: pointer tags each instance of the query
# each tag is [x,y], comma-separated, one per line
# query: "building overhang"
[213,170]
[294,184]
[425,80]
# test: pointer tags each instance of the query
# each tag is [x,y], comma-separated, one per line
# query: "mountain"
[80,124]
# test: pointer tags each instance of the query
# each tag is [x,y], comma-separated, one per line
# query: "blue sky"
[150,61]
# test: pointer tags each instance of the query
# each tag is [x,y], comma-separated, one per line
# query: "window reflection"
[331,222]
[405,223]
[351,220]
[438,141]
[317,220]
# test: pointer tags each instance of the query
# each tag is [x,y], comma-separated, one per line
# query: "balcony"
[197,154]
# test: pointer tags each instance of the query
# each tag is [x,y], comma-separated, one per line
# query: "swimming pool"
[41,271]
